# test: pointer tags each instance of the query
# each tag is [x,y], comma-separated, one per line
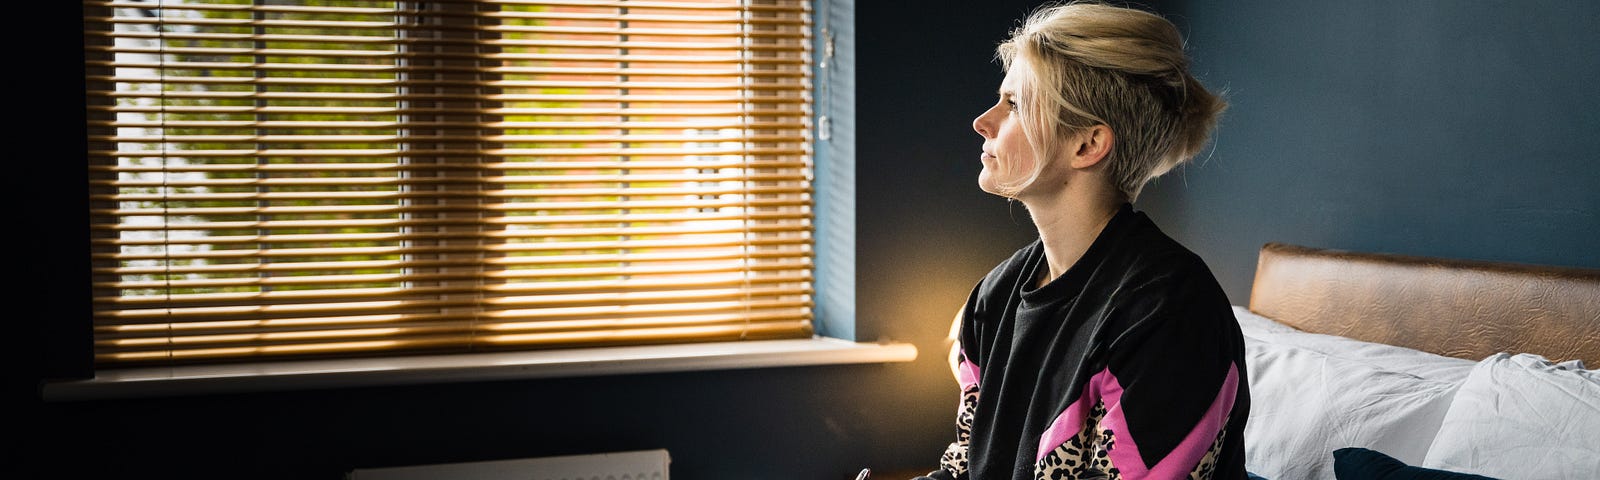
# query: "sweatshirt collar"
[1070,283]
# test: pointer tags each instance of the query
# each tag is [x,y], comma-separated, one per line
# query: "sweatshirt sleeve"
[954,459]
[953,463]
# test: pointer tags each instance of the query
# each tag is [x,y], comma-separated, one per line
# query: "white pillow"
[1251,323]
[1387,357]
[1312,394]
[1521,416]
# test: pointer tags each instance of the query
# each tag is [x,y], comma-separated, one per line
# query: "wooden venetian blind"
[277,178]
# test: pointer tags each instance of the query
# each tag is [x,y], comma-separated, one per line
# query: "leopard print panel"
[1085,455]
[1208,462]
[1082,456]
[954,459]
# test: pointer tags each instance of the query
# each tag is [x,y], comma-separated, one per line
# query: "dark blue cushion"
[1252,476]
[1364,464]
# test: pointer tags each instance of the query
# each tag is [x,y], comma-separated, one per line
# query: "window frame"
[834,313]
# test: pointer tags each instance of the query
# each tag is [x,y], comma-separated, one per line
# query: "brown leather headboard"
[1459,308]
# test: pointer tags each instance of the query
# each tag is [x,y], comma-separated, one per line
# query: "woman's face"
[1007,158]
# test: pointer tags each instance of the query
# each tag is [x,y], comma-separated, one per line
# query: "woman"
[1104,349]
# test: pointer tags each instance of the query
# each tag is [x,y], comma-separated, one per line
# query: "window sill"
[588,362]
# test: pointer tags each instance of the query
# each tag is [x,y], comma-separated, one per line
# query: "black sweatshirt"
[1130,364]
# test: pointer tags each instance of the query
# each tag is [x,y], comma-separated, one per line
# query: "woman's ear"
[1091,146]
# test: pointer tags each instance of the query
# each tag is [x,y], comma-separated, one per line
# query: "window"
[288,179]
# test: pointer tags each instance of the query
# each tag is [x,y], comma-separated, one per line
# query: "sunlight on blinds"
[278,178]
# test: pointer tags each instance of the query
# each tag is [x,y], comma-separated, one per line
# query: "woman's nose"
[981,125]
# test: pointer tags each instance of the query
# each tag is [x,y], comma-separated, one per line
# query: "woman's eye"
[1011,104]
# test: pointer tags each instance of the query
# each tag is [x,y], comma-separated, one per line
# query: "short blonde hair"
[1090,64]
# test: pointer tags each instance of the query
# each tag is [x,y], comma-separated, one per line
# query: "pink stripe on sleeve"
[966,373]
[1177,464]
[1069,422]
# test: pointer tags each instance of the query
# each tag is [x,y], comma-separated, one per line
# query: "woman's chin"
[988,183]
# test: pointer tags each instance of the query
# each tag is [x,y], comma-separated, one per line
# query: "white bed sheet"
[1523,416]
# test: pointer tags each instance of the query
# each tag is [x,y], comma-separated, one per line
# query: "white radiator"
[639,465]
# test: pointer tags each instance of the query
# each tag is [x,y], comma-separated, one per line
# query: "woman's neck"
[1069,225]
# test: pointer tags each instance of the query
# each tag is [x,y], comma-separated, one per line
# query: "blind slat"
[513,261]
[520,274]
[541,208]
[496,248]
[704,5]
[726,44]
[725,30]
[325,54]
[146,334]
[413,181]
[697,124]
[633,192]
[742,331]
[620,291]
[224,306]
[494,152]
[542,139]
[735,98]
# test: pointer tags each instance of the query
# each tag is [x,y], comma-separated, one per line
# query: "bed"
[1420,365]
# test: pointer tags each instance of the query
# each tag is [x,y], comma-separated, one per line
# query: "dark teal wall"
[1440,128]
